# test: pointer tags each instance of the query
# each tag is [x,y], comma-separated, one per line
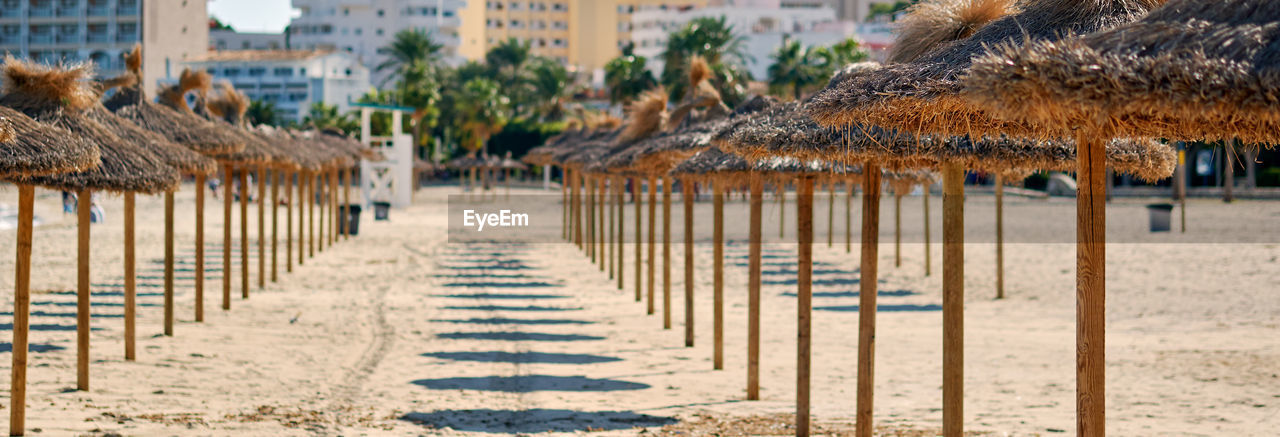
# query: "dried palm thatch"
[702,95]
[352,146]
[178,123]
[648,115]
[713,165]
[60,97]
[924,96]
[1190,70]
[785,131]
[511,164]
[256,150]
[37,149]
[902,182]
[662,152]
[468,161]
[181,158]
[786,168]
[929,24]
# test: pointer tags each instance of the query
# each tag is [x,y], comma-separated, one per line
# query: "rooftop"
[260,55]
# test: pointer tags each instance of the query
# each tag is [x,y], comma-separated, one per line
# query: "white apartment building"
[292,80]
[763,23]
[52,31]
[363,27]
[222,39]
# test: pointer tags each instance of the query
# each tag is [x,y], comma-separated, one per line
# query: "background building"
[363,27]
[223,39]
[292,80]
[53,31]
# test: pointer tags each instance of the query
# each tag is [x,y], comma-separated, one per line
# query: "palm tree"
[262,112]
[548,81]
[408,47]
[507,60]
[716,41]
[794,69]
[322,116]
[481,108]
[627,77]
[418,89]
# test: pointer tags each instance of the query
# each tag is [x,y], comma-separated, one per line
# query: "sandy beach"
[400,332]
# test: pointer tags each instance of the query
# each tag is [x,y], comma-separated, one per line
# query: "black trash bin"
[381,210]
[1159,216]
[353,219]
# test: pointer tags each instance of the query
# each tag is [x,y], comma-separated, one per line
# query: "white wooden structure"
[389,180]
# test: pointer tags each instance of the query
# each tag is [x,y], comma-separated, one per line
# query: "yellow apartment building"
[584,34]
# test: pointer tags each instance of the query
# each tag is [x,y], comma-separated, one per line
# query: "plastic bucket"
[1160,215]
[353,219]
[381,211]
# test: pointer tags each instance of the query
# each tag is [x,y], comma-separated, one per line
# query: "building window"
[282,72]
[559,7]
[257,71]
[358,31]
[231,71]
[515,6]
[346,12]
[516,24]
[560,25]
[378,32]
[381,13]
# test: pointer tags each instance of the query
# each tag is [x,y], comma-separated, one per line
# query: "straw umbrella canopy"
[179,125]
[60,97]
[924,94]
[1190,70]
[31,148]
[510,163]
[715,165]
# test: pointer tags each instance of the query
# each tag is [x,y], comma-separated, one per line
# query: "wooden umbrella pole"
[85,203]
[590,216]
[867,296]
[1181,180]
[244,233]
[226,236]
[1091,294]
[635,198]
[321,198]
[311,214]
[782,210]
[506,180]
[831,214]
[653,259]
[130,281]
[753,289]
[564,207]
[848,218]
[666,253]
[333,207]
[952,300]
[168,263]
[606,209]
[897,228]
[200,187]
[275,224]
[687,195]
[804,294]
[619,203]
[928,246]
[302,216]
[576,221]
[717,273]
[602,252]
[288,221]
[346,195]
[262,227]
[21,311]
[999,237]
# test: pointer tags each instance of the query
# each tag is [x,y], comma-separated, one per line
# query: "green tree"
[548,82]
[627,77]
[507,61]
[408,47]
[716,41]
[216,24]
[418,89]
[322,116]
[794,69]
[262,112]
[482,109]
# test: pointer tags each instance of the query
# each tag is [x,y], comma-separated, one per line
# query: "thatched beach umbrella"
[924,96]
[60,97]
[1190,70]
[185,161]
[182,127]
[29,148]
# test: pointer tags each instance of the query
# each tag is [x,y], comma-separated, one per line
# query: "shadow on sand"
[508,321]
[534,308]
[886,293]
[884,308]
[501,296]
[816,282]
[70,315]
[33,347]
[44,327]
[530,383]
[516,336]
[537,284]
[535,420]
[522,357]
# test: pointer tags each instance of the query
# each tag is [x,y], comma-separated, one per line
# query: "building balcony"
[127,38]
[7,40]
[10,13]
[99,38]
[99,11]
[41,12]
[69,39]
[127,10]
[41,39]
